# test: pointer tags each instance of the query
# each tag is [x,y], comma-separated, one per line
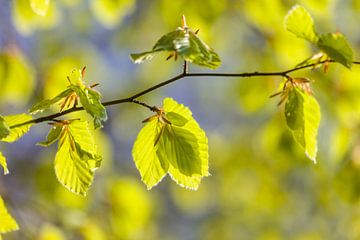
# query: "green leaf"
[17,132]
[53,136]
[40,7]
[178,149]
[4,128]
[337,48]
[91,101]
[299,22]
[186,44]
[302,113]
[45,104]
[76,158]
[7,222]
[4,164]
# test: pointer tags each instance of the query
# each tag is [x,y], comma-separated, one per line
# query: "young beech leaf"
[3,164]
[302,113]
[299,22]
[337,48]
[17,132]
[47,103]
[40,7]
[180,149]
[7,222]
[52,136]
[184,43]
[76,158]
[4,128]
[91,101]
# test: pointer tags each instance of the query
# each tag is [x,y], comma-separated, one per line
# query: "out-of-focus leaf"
[109,12]
[40,7]
[184,43]
[3,164]
[337,48]
[18,131]
[74,160]
[50,232]
[45,104]
[91,101]
[299,22]
[180,150]
[302,113]
[52,136]
[4,128]
[7,222]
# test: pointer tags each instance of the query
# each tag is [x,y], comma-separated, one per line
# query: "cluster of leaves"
[171,141]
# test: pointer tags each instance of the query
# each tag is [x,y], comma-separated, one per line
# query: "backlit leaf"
[40,7]
[180,148]
[186,44]
[337,48]
[4,128]
[299,22]
[52,136]
[302,113]
[3,164]
[76,158]
[91,101]
[45,104]
[7,222]
[17,132]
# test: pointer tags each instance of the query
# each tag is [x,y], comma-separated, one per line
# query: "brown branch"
[183,75]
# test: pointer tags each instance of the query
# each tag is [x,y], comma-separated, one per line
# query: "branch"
[183,75]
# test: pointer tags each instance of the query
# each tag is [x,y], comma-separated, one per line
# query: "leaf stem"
[183,75]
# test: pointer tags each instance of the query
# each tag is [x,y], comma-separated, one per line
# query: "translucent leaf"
[72,171]
[337,48]
[52,136]
[302,114]
[299,22]
[4,128]
[151,169]
[45,104]
[7,222]
[3,164]
[81,135]
[184,43]
[91,101]
[17,132]
[40,7]
[180,150]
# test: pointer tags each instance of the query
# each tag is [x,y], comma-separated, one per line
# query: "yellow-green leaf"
[4,128]
[3,164]
[178,149]
[7,222]
[302,113]
[299,22]
[337,48]
[53,136]
[40,7]
[46,103]
[16,131]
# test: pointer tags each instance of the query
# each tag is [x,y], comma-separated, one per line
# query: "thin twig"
[183,75]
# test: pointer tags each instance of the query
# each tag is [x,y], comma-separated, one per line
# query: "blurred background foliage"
[262,185]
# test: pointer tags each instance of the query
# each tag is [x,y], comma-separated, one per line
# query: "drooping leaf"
[16,131]
[53,136]
[91,101]
[337,48]
[7,222]
[40,7]
[76,158]
[178,148]
[302,113]
[4,128]
[299,22]
[45,104]
[3,164]
[186,44]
